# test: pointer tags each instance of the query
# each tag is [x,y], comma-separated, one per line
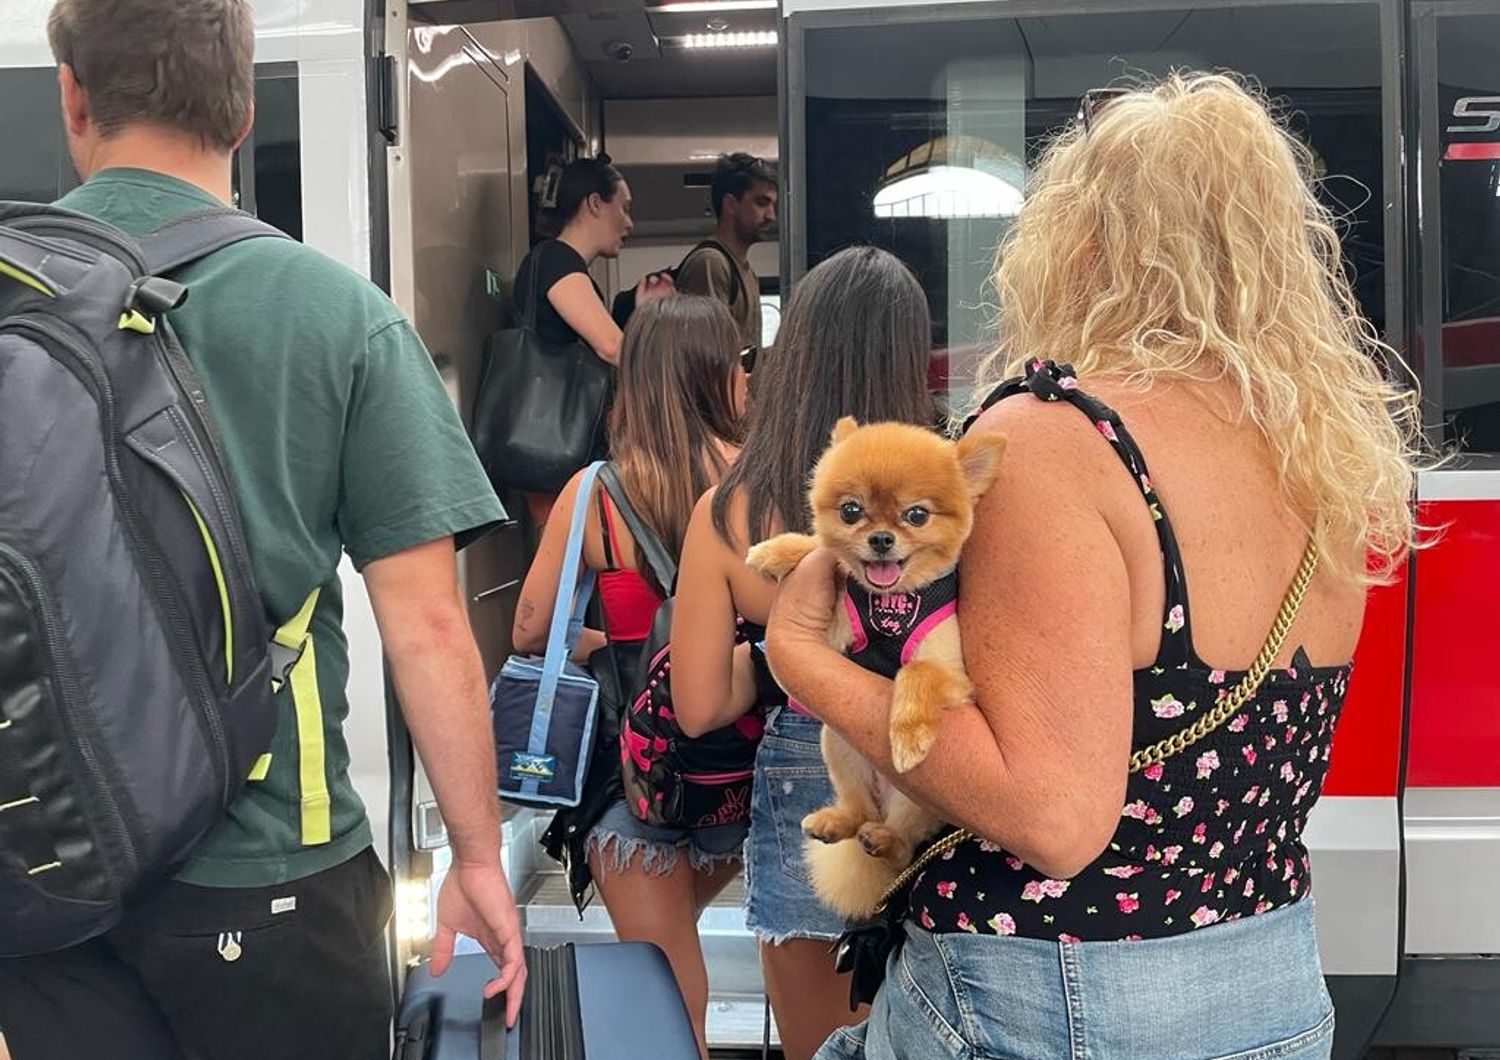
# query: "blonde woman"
[1121,896]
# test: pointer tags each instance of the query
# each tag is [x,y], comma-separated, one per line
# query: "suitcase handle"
[492,1028]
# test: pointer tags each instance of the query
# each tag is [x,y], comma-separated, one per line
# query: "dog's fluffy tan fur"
[885,472]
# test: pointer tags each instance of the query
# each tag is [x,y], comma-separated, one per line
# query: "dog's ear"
[979,454]
[844,428]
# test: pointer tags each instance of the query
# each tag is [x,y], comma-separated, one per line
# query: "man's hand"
[475,900]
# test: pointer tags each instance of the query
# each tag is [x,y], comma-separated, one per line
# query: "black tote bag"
[540,412]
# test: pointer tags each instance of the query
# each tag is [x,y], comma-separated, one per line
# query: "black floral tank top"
[1208,835]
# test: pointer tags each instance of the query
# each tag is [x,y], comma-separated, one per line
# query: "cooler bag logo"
[527,766]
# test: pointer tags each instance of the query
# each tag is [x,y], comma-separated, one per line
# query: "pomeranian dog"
[896,503]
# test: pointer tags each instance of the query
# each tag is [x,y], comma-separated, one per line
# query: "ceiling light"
[692,8]
[745,39]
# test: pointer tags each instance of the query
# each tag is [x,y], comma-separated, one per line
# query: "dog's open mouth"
[883,574]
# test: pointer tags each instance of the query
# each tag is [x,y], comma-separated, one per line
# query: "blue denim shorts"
[791,782]
[620,835]
[1247,990]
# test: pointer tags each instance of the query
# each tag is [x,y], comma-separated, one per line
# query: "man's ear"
[75,101]
[245,130]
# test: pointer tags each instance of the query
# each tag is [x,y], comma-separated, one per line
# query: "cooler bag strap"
[573,594]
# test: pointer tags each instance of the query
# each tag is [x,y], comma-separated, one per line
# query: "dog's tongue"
[883,575]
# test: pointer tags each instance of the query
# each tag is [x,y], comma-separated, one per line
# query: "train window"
[268,167]
[35,166]
[918,136]
[1468,110]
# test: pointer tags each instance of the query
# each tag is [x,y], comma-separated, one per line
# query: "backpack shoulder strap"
[199,234]
[661,563]
[736,285]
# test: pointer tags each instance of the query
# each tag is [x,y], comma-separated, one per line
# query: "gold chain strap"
[1178,742]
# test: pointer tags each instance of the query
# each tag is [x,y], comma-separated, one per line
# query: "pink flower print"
[1168,706]
[1015,863]
[1136,810]
[1184,806]
[1200,832]
[1055,888]
[1223,805]
[1032,892]
[1260,829]
[1146,482]
[1065,937]
[1170,854]
[946,888]
[1281,711]
[925,920]
[1153,771]
[1249,888]
[1132,938]
[1208,761]
[1292,886]
[1230,875]
[1172,895]
[1290,868]
[1265,797]
[1152,854]
[1208,884]
[1249,753]
[988,847]
[1002,924]
[1239,833]
[1263,906]
[1067,382]
[1203,916]
[1215,850]
[1239,723]
[1124,872]
[1288,774]
[1270,742]
[965,924]
[1175,621]
[1251,795]
[1216,677]
[1128,903]
[1107,429]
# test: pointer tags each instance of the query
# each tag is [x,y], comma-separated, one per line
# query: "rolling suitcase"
[605,1001]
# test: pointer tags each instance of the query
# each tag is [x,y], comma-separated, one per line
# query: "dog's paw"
[880,840]
[910,742]
[829,825]
[777,556]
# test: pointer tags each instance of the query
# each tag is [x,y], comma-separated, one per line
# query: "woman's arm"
[578,304]
[712,681]
[1039,764]
[539,592]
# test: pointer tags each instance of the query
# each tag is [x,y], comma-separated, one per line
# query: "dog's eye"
[917,515]
[851,512]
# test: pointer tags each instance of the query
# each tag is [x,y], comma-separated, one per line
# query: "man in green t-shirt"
[338,436]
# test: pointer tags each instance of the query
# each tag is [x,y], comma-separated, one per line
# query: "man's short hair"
[185,64]
[735,175]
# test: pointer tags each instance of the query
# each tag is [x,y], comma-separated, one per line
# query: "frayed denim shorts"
[620,835]
[791,782]
[1250,989]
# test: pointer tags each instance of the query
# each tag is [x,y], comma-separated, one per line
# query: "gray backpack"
[136,659]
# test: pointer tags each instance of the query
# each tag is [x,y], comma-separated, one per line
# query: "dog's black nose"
[882,541]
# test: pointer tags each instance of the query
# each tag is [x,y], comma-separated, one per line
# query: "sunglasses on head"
[747,358]
[1095,100]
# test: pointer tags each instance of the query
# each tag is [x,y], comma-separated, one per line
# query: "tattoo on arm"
[528,609]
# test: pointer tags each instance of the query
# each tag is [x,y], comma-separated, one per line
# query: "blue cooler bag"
[544,709]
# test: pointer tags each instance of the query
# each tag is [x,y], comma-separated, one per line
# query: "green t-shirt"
[338,435]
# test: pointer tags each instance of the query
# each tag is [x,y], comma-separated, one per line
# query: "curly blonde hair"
[1181,237]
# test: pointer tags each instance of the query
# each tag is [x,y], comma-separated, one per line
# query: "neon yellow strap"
[36,283]
[226,611]
[317,825]
[135,320]
[262,768]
